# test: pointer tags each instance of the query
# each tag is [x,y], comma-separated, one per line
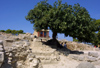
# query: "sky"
[13,12]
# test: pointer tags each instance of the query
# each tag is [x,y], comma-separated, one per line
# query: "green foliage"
[20,31]
[74,21]
[2,30]
[96,40]
[8,31]
[98,23]
[13,31]
[74,39]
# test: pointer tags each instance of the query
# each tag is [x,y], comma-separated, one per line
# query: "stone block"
[85,65]
[93,54]
[75,57]
[1,57]
[10,55]
[1,46]
[9,40]
[1,42]
[96,63]
[98,58]
[81,58]
[91,59]
[1,49]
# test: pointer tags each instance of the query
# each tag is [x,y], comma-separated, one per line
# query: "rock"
[30,59]
[19,64]
[81,58]
[10,49]
[1,42]
[97,49]
[1,46]
[9,61]
[34,63]
[9,58]
[96,63]
[98,58]
[10,55]
[1,49]
[27,43]
[91,59]
[9,40]
[75,57]
[85,65]
[1,57]
[31,55]
[93,54]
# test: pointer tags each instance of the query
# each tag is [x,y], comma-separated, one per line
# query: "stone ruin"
[15,52]
[25,51]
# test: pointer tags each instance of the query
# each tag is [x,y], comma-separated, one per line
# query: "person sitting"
[61,45]
[65,45]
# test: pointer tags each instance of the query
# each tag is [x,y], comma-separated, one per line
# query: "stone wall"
[15,51]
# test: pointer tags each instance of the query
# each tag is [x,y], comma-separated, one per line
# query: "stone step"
[39,53]
[48,59]
[48,62]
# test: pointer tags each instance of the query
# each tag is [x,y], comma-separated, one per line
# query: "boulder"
[85,65]
[93,54]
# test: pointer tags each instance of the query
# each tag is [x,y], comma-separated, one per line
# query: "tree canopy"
[74,21]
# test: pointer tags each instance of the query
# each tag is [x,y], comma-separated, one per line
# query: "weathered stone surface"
[98,58]
[20,64]
[31,55]
[9,40]
[91,59]
[10,54]
[1,57]
[93,54]
[1,42]
[96,63]
[1,49]
[85,65]
[75,57]
[34,63]
[81,58]
[1,46]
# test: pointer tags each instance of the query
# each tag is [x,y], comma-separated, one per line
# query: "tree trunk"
[54,35]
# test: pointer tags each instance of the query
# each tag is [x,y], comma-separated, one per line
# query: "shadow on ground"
[56,45]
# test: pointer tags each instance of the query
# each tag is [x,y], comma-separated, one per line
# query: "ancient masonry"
[25,51]
[17,52]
